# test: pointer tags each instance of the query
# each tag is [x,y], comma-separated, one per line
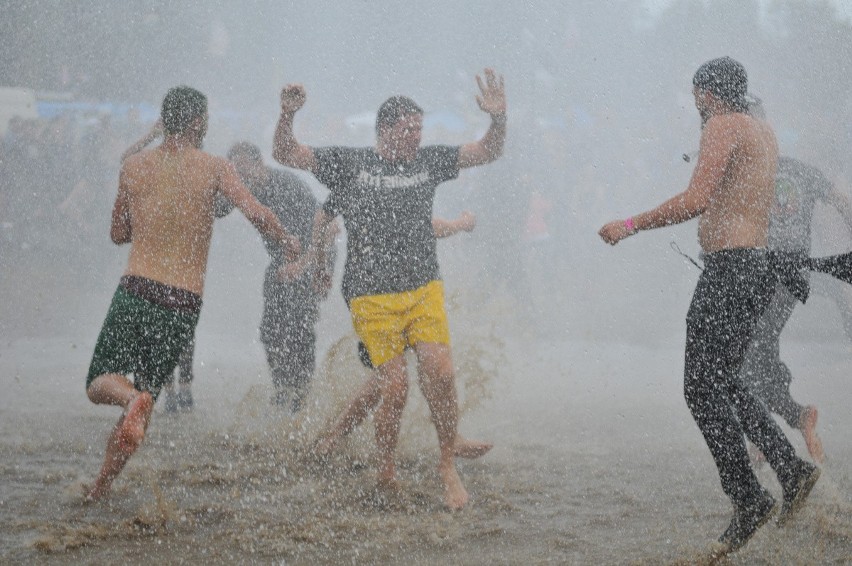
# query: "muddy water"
[596,460]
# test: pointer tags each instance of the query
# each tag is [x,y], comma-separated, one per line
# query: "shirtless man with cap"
[731,192]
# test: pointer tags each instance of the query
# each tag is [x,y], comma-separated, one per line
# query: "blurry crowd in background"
[59,178]
[600,113]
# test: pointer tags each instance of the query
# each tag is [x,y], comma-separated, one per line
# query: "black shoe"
[745,522]
[184,400]
[795,496]
[171,402]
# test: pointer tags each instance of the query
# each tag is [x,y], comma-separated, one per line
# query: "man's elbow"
[495,153]
[286,153]
[120,237]
[490,153]
[120,229]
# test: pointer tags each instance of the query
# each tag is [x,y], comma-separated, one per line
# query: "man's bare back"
[168,194]
[737,214]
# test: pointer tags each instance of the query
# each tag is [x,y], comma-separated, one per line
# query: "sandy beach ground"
[596,457]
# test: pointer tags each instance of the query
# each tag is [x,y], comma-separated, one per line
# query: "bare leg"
[807,424]
[356,410]
[393,385]
[129,431]
[437,381]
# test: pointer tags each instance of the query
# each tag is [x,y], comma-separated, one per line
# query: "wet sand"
[592,472]
[596,457]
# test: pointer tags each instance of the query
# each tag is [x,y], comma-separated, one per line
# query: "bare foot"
[125,438]
[470,449]
[455,495]
[132,427]
[807,424]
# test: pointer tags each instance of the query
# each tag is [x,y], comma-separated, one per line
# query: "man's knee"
[435,363]
[92,394]
[393,383]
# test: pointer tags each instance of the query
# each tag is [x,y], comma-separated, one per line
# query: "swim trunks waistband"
[166,296]
[729,253]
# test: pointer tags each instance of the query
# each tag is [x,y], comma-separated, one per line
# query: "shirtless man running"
[731,191]
[391,278]
[164,209]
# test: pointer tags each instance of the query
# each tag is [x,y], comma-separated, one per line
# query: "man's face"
[252,172]
[405,135]
[199,127]
[702,103]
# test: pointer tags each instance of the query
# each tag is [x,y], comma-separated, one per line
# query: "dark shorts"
[145,336]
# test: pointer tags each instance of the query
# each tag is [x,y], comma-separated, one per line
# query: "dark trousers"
[763,372]
[289,338]
[733,291]
[185,364]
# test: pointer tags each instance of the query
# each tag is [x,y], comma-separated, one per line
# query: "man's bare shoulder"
[728,122]
[200,164]
[137,163]
[724,131]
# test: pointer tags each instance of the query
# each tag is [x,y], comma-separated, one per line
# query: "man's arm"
[493,102]
[446,228]
[717,145]
[155,132]
[285,149]
[120,229]
[261,217]
[322,236]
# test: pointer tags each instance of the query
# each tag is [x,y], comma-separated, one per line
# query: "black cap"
[726,79]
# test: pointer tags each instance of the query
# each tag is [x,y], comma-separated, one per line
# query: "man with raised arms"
[369,395]
[165,210]
[391,278]
[731,191]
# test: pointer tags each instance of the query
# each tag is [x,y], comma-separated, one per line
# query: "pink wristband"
[631,228]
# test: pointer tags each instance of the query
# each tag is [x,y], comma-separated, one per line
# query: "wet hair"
[393,109]
[181,106]
[245,149]
[726,79]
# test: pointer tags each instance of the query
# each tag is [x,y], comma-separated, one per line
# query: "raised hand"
[292,97]
[493,95]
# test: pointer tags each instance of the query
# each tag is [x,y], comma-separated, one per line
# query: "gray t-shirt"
[387,211]
[292,201]
[797,188]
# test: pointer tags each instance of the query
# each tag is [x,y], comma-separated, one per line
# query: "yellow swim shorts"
[386,324]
